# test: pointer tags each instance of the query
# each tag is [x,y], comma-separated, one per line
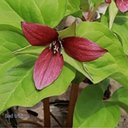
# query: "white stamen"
[56,48]
[50,46]
[54,43]
[61,47]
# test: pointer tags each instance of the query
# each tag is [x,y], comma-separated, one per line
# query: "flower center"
[56,46]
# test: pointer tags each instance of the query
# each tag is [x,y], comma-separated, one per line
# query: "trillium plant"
[50,62]
[48,46]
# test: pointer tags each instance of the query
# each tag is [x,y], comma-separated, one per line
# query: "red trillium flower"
[50,62]
[121,4]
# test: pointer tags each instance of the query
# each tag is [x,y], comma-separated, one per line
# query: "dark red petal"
[38,34]
[82,49]
[108,1]
[122,5]
[47,68]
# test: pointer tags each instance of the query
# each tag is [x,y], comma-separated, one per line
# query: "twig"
[56,120]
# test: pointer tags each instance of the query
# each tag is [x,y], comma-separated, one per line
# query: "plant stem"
[72,102]
[47,122]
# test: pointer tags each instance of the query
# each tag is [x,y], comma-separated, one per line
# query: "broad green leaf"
[8,16]
[16,81]
[72,6]
[49,12]
[120,97]
[53,11]
[120,27]
[115,61]
[103,66]
[27,10]
[92,112]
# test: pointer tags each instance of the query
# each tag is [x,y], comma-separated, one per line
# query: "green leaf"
[40,11]
[113,62]
[91,111]
[72,6]
[105,65]
[120,27]
[8,16]
[101,68]
[120,97]
[16,69]
[52,11]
